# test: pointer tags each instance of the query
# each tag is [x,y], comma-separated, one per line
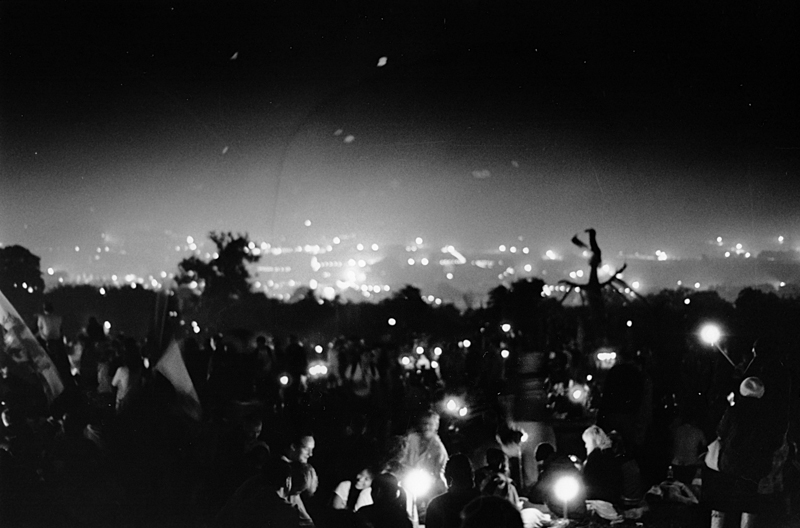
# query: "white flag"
[25,351]
[172,366]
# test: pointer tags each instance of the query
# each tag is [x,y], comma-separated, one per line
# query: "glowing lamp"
[451,405]
[392,321]
[437,351]
[506,327]
[405,360]
[284,380]
[710,334]
[504,353]
[318,349]
[434,364]
[418,482]
[420,350]
[566,489]
[462,411]
[467,343]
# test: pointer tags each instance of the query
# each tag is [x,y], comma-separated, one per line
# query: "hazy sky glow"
[661,126]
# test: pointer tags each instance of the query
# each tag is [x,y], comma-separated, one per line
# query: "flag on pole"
[28,358]
[172,367]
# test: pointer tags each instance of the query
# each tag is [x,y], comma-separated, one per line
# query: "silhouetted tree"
[21,280]
[224,279]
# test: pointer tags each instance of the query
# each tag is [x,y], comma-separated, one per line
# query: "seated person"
[354,494]
[495,479]
[602,475]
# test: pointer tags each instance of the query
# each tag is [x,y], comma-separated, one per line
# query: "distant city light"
[362,263]
[313,284]
[783,284]
[579,273]
[382,62]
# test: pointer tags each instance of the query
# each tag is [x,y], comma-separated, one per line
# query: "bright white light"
[697,285]
[526,250]
[190,240]
[307,223]
[505,327]
[382,62]
[362,263]
[411,262]
[392,321]
[629,323]
[513,249]
[606,356]
[738,246]
[577,394]
[420,350]
[579,273]
[451,405]
[374,247]
[504,353]
[589,377]
[107,327]
[77,249]
[467,343]
[783,284]
[146,363]
[418,240]
[781,239]
[405,360]
[434,364]
[313,284]
[635,285]
[336,240]
[424,261]
[524,437]
[747,255]
[528,268]
[727,254]
[50,271]
[284,379]
[710,334]
[102,291]
[550,254]
[502,248]
[318,349]
[449,276]
[437,351]
[687,301]
[317,370]
[418,482]
[462,411]
[566,488]
[719,240]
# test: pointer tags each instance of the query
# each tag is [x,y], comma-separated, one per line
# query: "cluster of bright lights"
[456,406]
[465,343]
[660,255]
[317,370]
[606,356]
[195,327]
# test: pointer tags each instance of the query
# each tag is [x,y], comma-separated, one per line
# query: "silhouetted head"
[491,511]
[458,471]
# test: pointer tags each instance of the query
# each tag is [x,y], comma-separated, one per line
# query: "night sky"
[135,124]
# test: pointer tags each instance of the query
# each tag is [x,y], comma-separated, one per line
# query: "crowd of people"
[362,445]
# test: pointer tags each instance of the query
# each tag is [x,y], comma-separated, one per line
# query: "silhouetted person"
[386,511]
[444,511]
